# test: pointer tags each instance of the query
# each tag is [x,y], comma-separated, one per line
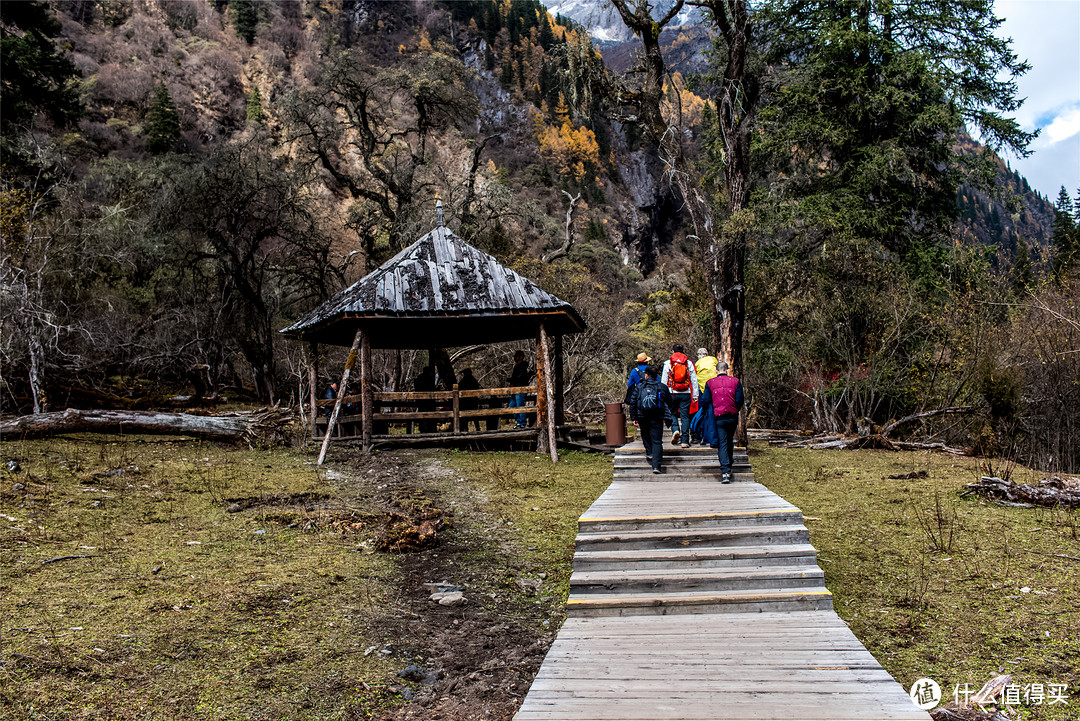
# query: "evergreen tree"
[1066,243]
[872,96]
[254,106]
[245,19]
[1023,270]
[546,34]
[162,123]
[34,77]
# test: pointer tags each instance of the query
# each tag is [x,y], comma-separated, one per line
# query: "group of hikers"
[700,401]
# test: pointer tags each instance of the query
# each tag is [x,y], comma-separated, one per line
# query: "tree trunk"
[267,425]
[725,246]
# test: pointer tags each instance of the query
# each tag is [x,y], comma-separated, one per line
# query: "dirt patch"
[475,660]
[307,501]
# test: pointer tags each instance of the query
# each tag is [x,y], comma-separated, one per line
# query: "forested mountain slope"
[202,173]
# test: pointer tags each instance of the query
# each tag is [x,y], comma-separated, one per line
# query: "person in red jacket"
[681,379]
[726,395]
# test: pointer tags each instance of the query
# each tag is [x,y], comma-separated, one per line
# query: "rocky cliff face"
[603,21]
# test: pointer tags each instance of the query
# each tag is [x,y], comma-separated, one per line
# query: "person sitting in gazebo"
[520,376]
[468,382]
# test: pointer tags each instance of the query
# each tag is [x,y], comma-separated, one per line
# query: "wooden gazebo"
[441,292]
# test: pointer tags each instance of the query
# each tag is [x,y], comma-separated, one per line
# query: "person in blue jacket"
[648,402]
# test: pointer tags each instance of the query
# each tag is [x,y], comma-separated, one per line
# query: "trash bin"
[614,424]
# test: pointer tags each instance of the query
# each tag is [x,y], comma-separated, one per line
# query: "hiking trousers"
[681,415]
[652,435]
[725,437]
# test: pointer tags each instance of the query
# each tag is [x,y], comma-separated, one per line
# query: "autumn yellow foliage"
[572,152]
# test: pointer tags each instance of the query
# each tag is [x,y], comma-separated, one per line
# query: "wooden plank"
[449,414]
[541,394]
[341,392]
[366,392]
[389,397]
[313,375]
[546,418]
[429,438]
[798,664]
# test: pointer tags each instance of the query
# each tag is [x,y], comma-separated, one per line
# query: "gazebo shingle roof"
[438,292]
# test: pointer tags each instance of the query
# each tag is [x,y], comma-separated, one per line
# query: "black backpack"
[649,402]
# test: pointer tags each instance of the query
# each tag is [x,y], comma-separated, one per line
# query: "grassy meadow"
[165,578]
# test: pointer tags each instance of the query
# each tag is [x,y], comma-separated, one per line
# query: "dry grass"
[180,609]
[955,589]
[185,610]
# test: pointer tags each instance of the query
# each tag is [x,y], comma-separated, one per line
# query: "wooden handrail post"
[367,394]
[457,410]
[545,416]
[313,379]
[560,410]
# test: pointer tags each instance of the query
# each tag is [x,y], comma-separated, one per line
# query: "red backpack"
[679,378]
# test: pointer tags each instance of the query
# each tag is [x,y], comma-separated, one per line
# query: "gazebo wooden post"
[560,410]
[342,392]
[457,412]
[545,404]
[367,394]
[313,379]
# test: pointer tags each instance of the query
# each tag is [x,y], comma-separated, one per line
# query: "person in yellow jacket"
[704,368]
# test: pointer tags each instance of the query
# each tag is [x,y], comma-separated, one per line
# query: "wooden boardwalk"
[691,599]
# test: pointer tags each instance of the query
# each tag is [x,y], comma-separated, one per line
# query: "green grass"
[185,610]
[955,589]
[182,610]
[543,502]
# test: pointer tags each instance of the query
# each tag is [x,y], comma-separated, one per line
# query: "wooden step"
[638,448]
[669,465]
[689,558]
[733,519]
[663,538]
[626,581]
[667,473]
[800,599]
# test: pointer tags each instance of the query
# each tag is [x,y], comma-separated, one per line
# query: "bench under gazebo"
[441,292]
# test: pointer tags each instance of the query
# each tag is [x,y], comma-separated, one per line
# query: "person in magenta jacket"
[725,394]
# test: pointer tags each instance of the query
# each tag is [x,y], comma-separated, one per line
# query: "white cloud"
[1063,126]
[1046,33]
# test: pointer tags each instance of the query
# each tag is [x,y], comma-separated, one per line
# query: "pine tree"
[546,35]
[246,18]
[1066,242]
[35,77]
[162,124]
[1023,271]
[254,106]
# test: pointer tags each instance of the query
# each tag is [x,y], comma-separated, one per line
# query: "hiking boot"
[675,438]
[685,445]
[656,470]
[726,478]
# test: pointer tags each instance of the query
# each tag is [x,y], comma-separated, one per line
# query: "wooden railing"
[451,400]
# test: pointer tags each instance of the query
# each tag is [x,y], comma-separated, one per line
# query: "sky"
[1046,33]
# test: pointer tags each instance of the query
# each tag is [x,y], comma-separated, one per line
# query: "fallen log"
[890,427]
[1050,492]
[266,425]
